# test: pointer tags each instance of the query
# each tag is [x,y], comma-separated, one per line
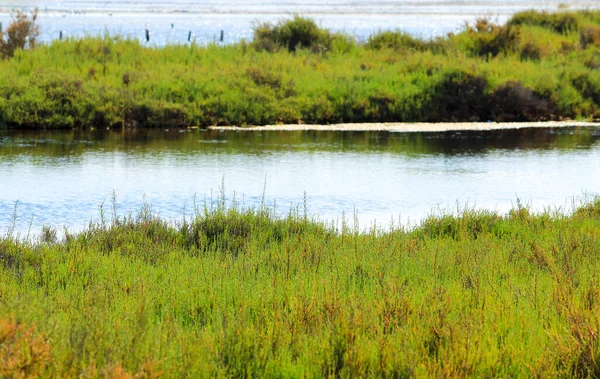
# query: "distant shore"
[536,67]
[410,127]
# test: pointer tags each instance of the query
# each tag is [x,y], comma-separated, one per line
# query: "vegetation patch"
[538,66]
[561,22]
[512,102]
[396,40]
[242,293]
[292,35]
[21,33]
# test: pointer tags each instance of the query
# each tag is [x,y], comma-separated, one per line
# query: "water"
[61,178]
[171,21]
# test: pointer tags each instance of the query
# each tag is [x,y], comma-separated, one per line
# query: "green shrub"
[342,44]
[530,51]
[292,34]
[513,102]
[158,114]
[264,78]
[457,96]
[470,225]
[588,85]
[264,38]
[589,36]
[562,22]
[589,210]
[396,40]
[489,39]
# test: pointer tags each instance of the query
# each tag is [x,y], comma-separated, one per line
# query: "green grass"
[538,66]
[241,293]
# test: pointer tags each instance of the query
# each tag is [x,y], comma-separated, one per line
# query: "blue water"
[171,21]
[62,178]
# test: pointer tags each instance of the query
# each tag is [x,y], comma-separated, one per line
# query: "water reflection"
[190,142]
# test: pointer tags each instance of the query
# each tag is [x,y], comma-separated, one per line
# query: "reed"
[239,292]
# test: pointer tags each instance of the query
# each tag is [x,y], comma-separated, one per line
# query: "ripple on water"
[379,176]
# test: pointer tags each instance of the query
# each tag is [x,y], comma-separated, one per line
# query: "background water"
[171,21]
[61,178]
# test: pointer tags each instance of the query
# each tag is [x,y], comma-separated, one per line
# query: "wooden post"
[190,36]
[147,33]
[222,35]
[60,35]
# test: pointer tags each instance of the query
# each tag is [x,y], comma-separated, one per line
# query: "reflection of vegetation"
[243,294]
[148,141]
[538,66]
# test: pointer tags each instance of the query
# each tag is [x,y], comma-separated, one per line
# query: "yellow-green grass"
[529,69]
[241,293]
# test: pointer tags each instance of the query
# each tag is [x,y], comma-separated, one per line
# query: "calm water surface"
[171,21]
[61,178]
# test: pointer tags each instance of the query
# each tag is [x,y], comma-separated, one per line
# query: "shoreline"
[410,127]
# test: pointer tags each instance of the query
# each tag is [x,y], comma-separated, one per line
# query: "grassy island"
[538,66]
[241,293]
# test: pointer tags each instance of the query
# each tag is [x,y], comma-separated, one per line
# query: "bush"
[292,34]
[589,36]
[590,210]
[562,23]
[264,38]
[22,33]
[264,78]
[341,43]
[394,40]
[158,114]
[470,225]
[588,86]
[512,102]
[490,39]
[24,352]
[530,51]
[458,96]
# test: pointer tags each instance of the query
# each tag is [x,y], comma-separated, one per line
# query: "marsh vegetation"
[538,66]
[238,292]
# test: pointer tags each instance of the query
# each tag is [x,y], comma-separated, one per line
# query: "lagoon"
[61,178]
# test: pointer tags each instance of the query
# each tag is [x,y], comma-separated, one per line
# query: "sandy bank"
[414,127]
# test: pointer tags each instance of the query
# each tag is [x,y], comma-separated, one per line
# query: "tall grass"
[241,293]
[538,66]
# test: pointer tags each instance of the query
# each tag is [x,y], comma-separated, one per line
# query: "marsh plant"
[238,292]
